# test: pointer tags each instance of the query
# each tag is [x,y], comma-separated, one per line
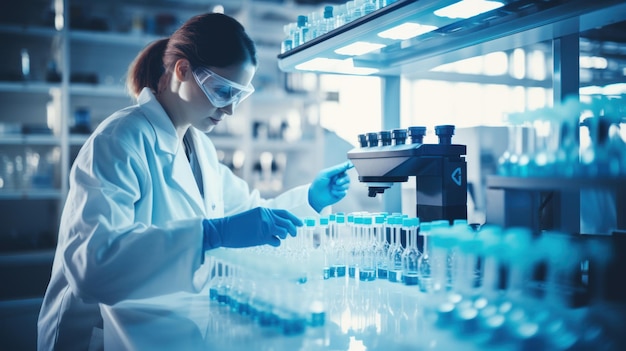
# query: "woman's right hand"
[258,226]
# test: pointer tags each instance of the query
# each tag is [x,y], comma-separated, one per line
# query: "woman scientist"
[147,195]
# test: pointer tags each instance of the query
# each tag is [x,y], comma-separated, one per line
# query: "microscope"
[440,170]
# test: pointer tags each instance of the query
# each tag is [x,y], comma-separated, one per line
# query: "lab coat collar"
[167,139]
[168,142]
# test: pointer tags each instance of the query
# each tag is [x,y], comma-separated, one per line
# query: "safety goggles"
[221,91]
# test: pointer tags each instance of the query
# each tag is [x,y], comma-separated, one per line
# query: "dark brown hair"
[211,40]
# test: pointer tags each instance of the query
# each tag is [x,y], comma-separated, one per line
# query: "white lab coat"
[132,223]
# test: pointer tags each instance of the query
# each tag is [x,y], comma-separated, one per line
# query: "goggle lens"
[219,90]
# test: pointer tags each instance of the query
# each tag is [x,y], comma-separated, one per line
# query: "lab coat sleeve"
[110,254]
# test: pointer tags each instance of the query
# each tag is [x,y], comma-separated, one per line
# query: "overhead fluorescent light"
[468,8]
[359,48]
[318,64]
[322,64]
[406,31]
[596,62]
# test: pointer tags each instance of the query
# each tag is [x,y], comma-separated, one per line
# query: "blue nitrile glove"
[258,226]
[329,186]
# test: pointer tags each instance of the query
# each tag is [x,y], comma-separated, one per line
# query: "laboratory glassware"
[411,255]
[394,265]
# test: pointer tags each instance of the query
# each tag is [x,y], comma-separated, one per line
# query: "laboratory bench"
[374,315]
[491,288]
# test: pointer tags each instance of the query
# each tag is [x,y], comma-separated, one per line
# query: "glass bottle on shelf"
[328,21]
[508,160]
[341,15]
[594,157]
[543,159]
[288,31]
[562,142]
[301,34]
[357,10]
[517,160]
[604,156]
[368,7]
[315,20]
[568,154]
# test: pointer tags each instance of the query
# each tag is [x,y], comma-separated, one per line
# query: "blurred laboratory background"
[526,98]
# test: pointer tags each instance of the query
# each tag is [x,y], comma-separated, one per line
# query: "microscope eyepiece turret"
[363,140]
[445,133]
[417,134]
[385,138]
[372,139]
[399,136]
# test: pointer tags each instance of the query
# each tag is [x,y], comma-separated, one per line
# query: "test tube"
[394,266]
[325,244]
[425,260]
[411,255]
[354,223]
[367,268]
[382,246]
[339,258]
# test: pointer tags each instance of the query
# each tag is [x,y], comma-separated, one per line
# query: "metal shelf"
[30,194]
[78,139]
[114,38]
[555,183]
[74,88]
[98,90]
[28,87]
[517,24]
[28,30]
[29,139]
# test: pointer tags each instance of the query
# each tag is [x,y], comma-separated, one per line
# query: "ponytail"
[147,68]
